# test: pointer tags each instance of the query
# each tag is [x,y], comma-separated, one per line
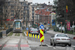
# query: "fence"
[9,30]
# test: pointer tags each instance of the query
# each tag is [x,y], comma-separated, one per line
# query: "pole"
[41,43]
[73,28]
[65,20]
[55,22]
[61,26]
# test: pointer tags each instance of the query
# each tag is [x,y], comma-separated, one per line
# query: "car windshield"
[61,35]
[34,29]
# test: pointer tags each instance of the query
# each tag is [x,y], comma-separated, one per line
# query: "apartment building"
[43,12]
[17,9]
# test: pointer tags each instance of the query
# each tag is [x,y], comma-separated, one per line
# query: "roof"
[42,12]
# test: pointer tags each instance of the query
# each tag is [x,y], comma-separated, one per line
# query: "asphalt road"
[47,41]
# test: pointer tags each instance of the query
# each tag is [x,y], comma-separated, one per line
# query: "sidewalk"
[53,32]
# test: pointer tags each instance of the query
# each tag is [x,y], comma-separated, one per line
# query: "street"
[48,35]
[57,47]
[30,43]
[37,25]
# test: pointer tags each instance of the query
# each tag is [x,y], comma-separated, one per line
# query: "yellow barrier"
[30,35]
[34,36]
[38,37]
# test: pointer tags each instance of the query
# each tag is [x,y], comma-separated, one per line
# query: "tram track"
[4,44]
[19,47]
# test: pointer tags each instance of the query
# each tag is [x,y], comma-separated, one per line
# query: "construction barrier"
[41,35]
[34,36]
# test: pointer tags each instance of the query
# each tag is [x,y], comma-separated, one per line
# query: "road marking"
[24,45]
[48,45]
[54,47]
[0,45]
[8,45]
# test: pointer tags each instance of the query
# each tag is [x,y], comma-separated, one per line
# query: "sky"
[43,1]
[40,1]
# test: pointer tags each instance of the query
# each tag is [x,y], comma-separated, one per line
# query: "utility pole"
[65,15]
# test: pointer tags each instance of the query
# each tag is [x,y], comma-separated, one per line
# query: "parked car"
[60,39]
[43,29]
[34,31]
[47,28]
[30,29]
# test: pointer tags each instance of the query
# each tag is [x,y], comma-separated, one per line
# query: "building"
[43,16]
[17,9]
[43,12]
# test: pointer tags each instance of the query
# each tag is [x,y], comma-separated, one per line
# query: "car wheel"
[51,44]
[65,44]
[54,44]
[69,45]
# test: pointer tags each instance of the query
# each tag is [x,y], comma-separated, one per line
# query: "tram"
[17,25]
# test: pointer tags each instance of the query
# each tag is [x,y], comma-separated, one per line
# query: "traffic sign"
[26,28]
[41,35]
[41,26]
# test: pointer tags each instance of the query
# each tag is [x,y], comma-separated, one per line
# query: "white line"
[48,45]
[25,33]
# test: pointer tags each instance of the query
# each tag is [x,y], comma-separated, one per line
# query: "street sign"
[41,26]
[48,24]
[26,28]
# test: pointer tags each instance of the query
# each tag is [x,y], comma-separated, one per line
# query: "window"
[61,35]
[6,7]
[12,14]
[21,3]
[24,4]
[32,13]
[33,9]
[6,10]
[21,14]
[24,8]
[8,3]
[12,6]
[12,10]
[12,17]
